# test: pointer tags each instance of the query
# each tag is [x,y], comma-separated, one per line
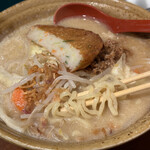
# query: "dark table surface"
[140,143]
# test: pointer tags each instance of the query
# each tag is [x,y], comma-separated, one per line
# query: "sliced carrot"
[61,48]
[53,51]
[18,99]
[40,40]
[137,70]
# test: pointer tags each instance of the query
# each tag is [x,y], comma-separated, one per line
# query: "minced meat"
[108,56]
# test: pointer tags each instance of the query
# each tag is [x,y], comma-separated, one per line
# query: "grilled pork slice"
[76,48]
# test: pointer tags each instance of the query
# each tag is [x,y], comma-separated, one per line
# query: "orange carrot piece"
[18,99]
[53,51]
[40,40]
[137,71]
[61,48]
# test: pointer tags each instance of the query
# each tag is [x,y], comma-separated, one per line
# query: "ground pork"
[108,56]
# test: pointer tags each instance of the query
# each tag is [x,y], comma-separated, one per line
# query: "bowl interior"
[30,10]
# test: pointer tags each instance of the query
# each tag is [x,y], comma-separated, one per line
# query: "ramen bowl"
[30,10]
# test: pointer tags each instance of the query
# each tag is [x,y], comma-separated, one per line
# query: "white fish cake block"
[76,48]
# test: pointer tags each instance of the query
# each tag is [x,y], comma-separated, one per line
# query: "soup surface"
[16,50]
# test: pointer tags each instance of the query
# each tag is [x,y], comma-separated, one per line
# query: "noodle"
[108,70]
[101,91]
[59,96]
[36,62]
[77,79]
[23,81]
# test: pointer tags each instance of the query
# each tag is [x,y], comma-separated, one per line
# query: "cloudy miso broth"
[17,56]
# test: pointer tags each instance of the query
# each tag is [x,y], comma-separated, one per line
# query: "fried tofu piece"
[76,48]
